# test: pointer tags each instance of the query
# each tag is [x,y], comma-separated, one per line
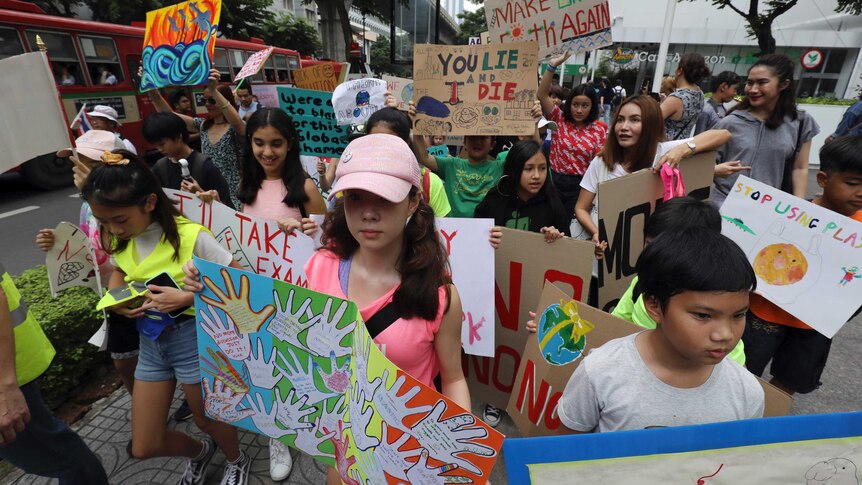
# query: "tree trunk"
[336,33]
[765,40]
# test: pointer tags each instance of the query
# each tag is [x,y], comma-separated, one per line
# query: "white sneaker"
[492,415]
[280,461]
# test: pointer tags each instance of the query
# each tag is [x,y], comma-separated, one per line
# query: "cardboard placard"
[253,65]
[71,261]
[179,44]
[806,257]
[475,90]
[314,117]
[401,88]
[320,77]
[355,101]
[524,262]
[625,203]
[557,26]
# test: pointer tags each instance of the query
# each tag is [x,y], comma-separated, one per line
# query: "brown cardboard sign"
[475,89]
[319,78]
[625,203]
[523,263]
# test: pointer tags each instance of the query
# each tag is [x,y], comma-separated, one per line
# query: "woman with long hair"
[683,105]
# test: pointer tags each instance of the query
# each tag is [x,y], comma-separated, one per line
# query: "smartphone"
[164,279]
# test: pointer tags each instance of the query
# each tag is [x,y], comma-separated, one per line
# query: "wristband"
[550,68]
[224,106]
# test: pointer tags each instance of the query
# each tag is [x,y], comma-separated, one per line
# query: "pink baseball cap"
[381,164]
[93,143]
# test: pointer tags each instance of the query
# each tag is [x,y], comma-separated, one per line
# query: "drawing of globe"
[556,339]
[407,93]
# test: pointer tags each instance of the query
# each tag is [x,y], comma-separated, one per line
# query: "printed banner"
[179,44]
[300,367]
[475,90]
[625,204]
[523,263]
[71,261]
[28,76]
[320,77]
[355,101]
[253,64]
[401,88]
[561,26]
[816,449]
[259,245]
[314,117]
[806,257]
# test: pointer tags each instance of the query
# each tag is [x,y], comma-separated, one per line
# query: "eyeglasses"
[210,100]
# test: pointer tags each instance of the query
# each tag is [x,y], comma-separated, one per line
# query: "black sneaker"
[492,415]
[196,470]
[184,412]
[237,473]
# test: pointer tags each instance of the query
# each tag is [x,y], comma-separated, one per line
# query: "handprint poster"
[71,261]
[299,366]
[179,44]
[806,257]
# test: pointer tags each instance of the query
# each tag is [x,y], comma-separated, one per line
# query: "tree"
[381,61]
[334,16]
[759,24]
[291,32]
[472,24]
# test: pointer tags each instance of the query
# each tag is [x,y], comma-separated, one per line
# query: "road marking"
[19,211]
[75,195]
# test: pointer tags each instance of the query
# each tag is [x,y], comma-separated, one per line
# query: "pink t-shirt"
[269,205]
[408,343]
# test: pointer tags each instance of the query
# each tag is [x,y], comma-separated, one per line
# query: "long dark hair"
[225,91]
[652,132]
[127,186]
[782,67]
[514,166]
[423,262]
[581,90]
[292,173]
[693,67]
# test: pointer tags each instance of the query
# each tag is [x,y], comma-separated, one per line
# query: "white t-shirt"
[591,180]
[206,247]
[614,390]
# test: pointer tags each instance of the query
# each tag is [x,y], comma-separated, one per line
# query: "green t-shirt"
[466,183]
[636,313]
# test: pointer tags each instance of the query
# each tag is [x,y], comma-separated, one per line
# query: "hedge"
[68,320]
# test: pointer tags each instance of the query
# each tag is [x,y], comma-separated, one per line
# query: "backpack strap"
[426,185]
[637,291]
[382,320]
[161,170]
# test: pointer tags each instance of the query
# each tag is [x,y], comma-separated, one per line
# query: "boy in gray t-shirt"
[695,285]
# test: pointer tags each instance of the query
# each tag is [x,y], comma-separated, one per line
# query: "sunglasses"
[210,100]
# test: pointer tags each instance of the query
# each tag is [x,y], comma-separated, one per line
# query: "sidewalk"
[107,429]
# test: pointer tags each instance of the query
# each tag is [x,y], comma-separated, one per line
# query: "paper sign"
[314,117]
[522,265]
[806,258]
[401,89]
[475,90]
[625,203]
[320,77]
[253,64]
[259,245]
[813,449]
[71,261]
[29,77]
[179,44]
[439,150]
[355,101]
[300,367]
[558,27]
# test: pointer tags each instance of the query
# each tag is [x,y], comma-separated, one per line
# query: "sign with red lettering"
[258,244]
[475,89]
[71,262]
[625,203]
[522,265]
[558,26]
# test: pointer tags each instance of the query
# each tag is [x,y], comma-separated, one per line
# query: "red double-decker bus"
[79,50]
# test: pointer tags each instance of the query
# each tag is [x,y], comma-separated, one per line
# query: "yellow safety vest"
[33,350]
[161,260]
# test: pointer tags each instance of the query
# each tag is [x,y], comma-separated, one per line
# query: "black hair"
[724,77]
[582,90]
[681,213]
[395,119]
[693,67]
[693,259]
[246,85]
[843,154]
[558,91]
[782,67]
[159,126]
[126,186]
[176,96]
[292,173]
[517,157]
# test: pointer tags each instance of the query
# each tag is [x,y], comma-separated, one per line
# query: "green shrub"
[68,320]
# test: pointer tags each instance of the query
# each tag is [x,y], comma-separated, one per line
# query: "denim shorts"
[173,355]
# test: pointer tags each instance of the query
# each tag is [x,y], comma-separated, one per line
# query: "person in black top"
[201,177]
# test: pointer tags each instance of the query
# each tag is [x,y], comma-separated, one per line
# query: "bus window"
[220,63]
[10,43]
[281,69]
[61,52]
[269,69]
[237,59]
[100,56]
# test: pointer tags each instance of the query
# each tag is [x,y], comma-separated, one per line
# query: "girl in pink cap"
[380,250]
